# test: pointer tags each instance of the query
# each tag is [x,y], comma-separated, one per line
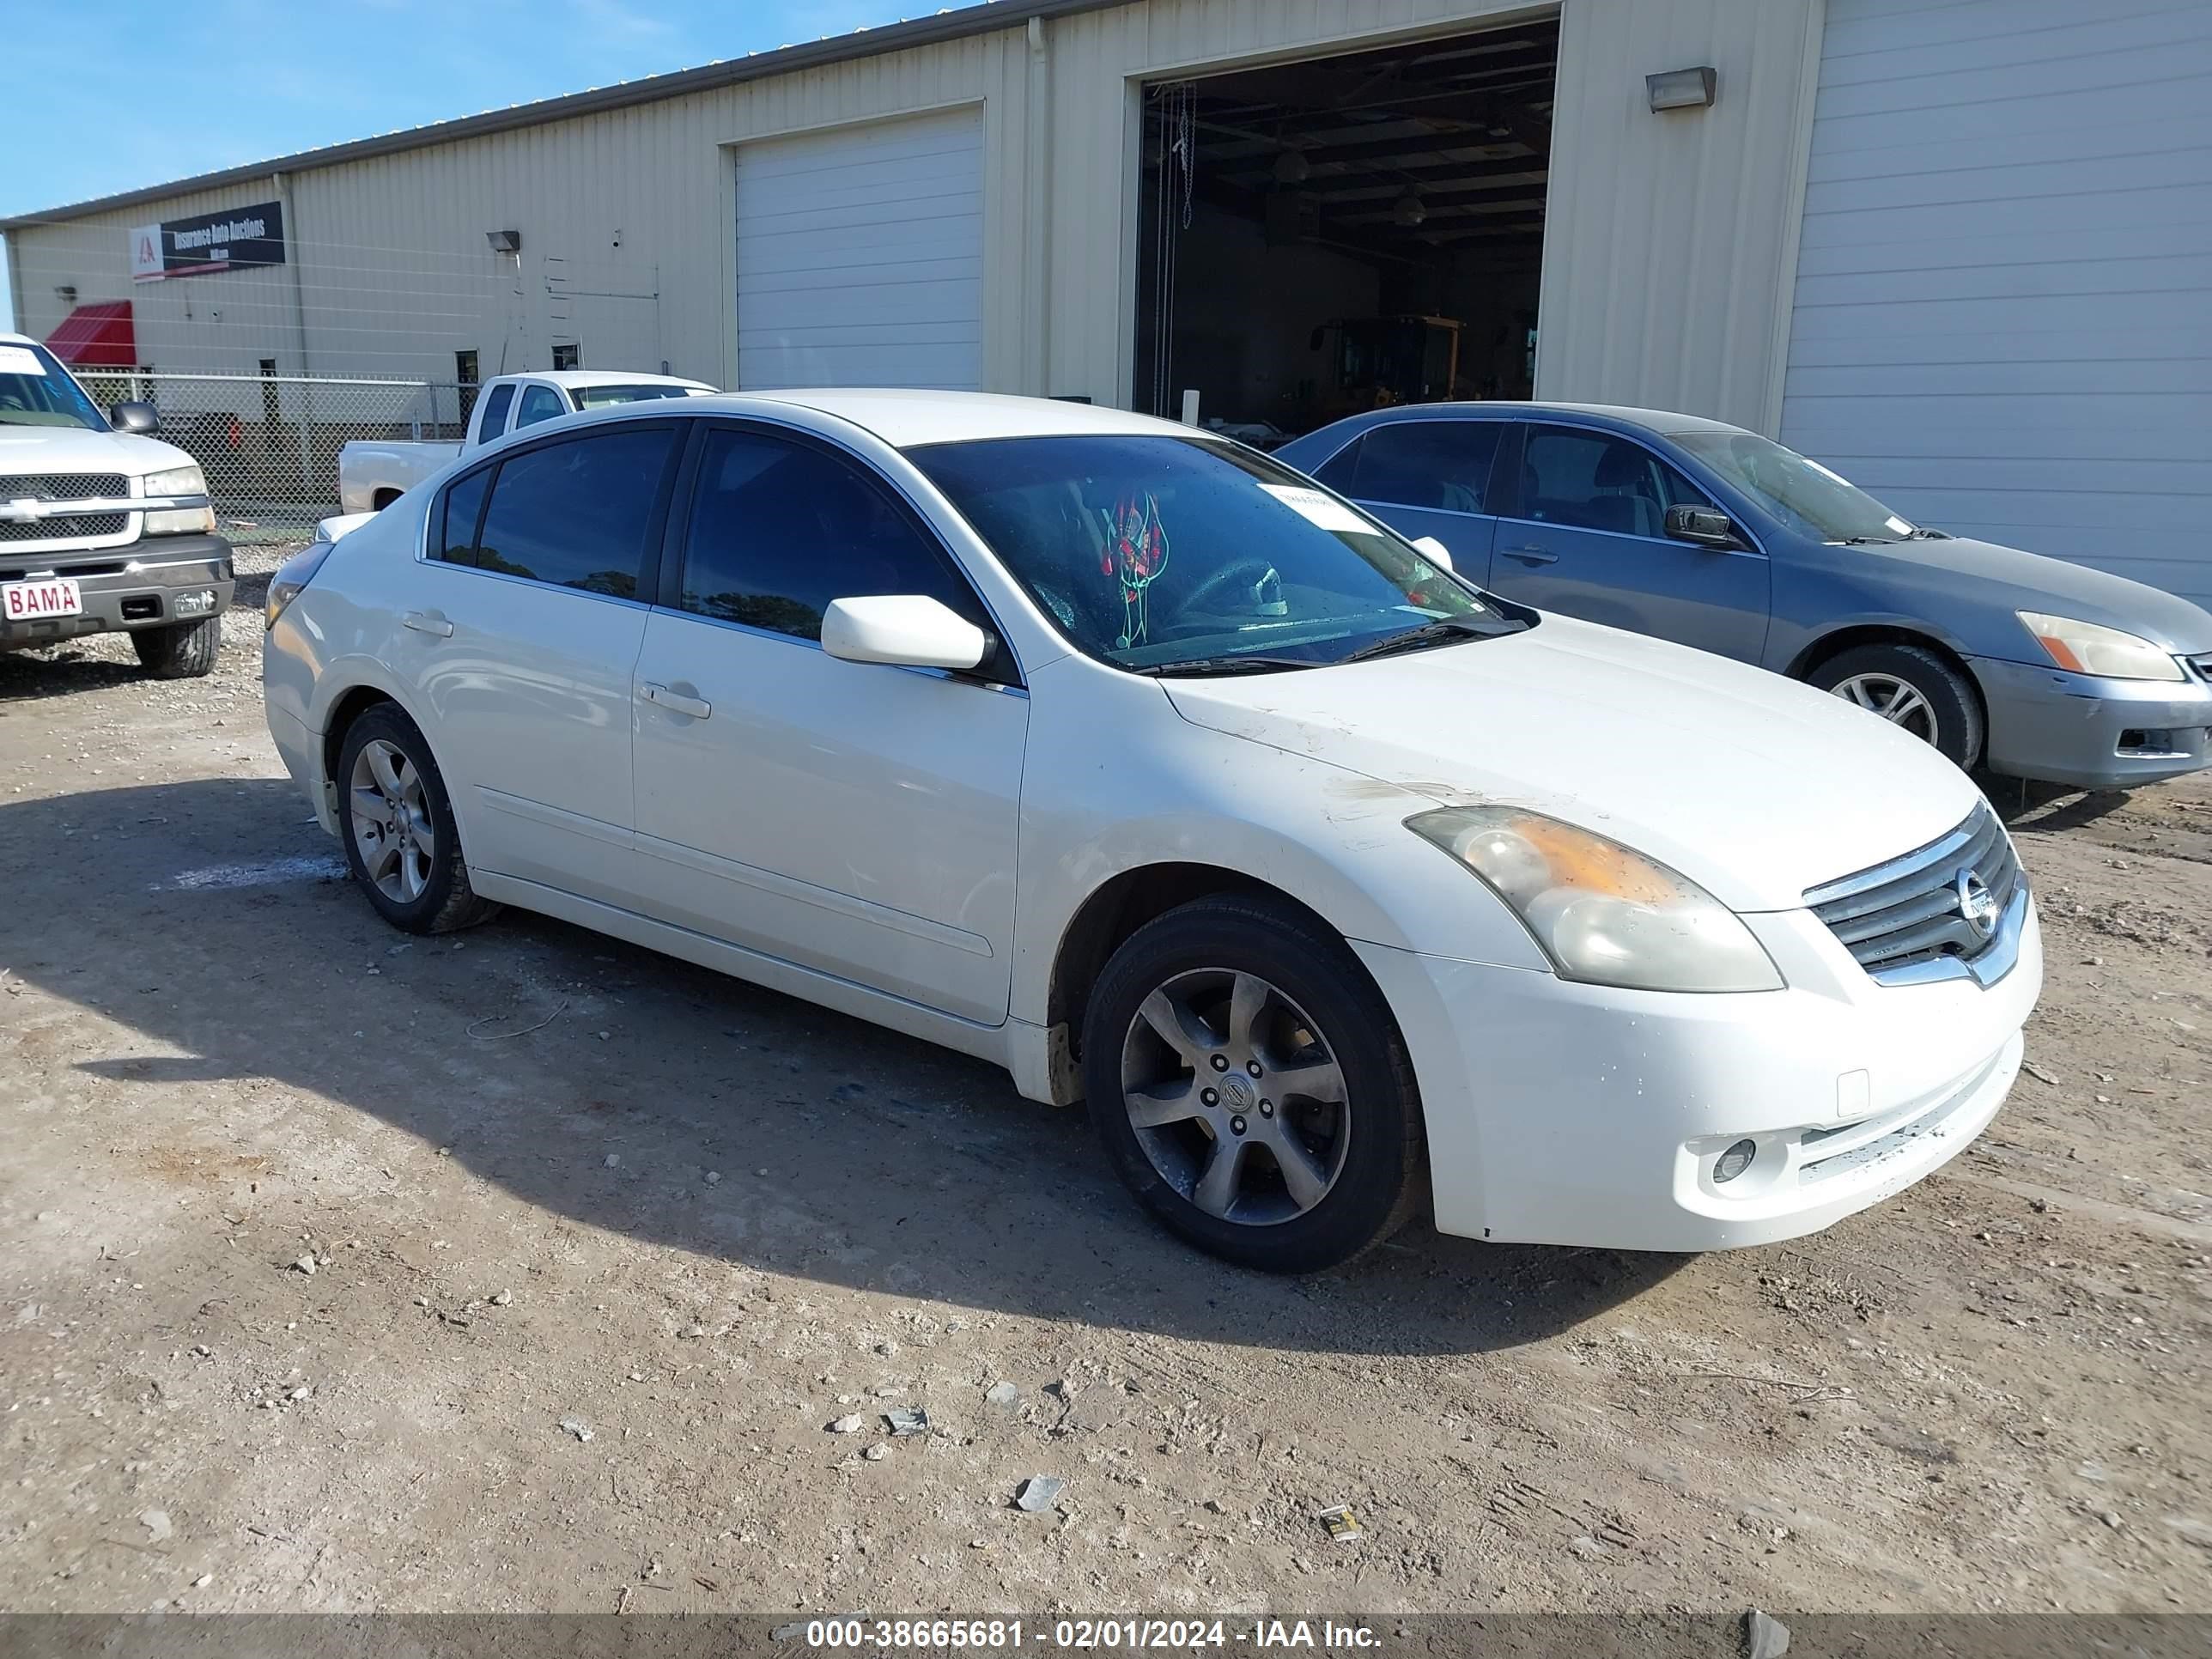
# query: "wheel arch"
[1115,910]
[349,706]
[1833,644]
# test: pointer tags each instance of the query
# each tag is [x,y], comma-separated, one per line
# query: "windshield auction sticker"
[20,359]
[1319,510]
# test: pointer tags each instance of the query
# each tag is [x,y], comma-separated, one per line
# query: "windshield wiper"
[1196,666]
[1430,633]
[1929,535]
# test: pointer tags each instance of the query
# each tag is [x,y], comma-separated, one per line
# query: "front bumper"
[2091,732]
[132,586]
[1566,1114]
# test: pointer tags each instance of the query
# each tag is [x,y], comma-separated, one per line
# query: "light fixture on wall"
[1409,211]
[1683,89]
[504,241]
[66,293]
[1291,167]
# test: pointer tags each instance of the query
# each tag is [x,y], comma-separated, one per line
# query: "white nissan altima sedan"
[1130,760]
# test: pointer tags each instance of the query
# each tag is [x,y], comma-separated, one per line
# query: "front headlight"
[1602,913]
[177,481]
[173,482]
[2082,647]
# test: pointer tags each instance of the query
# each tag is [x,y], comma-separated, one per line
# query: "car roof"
[1654,420]
[905,417]
[571,380]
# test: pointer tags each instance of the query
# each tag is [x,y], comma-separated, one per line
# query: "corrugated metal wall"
[1666,264]
[2004,300]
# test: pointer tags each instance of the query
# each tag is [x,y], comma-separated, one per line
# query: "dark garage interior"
[1327,236]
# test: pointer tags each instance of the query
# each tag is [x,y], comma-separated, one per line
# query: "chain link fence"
[269,443]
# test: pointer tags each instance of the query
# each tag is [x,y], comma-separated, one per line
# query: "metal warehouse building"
[1961,249]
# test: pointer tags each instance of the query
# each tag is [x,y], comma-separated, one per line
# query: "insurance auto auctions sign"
[208,241]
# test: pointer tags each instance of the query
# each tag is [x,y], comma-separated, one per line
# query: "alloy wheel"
[1236,1097]
[392,822]
[1898,701]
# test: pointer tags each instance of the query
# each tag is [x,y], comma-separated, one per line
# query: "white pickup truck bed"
[372,473]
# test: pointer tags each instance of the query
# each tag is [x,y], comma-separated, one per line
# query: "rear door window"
[1443,464]
[577,513]
[495,412]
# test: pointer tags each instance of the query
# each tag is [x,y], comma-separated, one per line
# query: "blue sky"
[159,90]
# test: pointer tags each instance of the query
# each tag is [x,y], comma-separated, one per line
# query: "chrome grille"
[64,487]
[1900,918]
[82,526]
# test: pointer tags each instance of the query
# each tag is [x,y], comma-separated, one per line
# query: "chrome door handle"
[675,701]
[429,622]
[1532,555]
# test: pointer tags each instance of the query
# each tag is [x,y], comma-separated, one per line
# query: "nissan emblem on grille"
[1977,904]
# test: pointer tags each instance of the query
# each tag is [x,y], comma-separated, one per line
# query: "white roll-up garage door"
[860,256]
[2003,319]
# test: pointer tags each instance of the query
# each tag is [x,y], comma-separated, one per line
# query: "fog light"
[193,605]
[1734,1161]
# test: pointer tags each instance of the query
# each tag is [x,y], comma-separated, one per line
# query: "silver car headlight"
[177,481]
[1604,913]
[2081,647]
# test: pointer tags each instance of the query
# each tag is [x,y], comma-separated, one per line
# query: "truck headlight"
[172,483]
[1604,913]
[177,481]
[2082,647]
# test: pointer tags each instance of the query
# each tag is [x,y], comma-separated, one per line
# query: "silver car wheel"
[1236,1097]
[1896,701]
[391,819]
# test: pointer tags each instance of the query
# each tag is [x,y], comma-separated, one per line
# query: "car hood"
[74,449]
[1957,568]
[1754,786]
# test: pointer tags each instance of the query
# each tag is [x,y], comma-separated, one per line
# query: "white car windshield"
[1164,555]
[1802,493]
[37,390]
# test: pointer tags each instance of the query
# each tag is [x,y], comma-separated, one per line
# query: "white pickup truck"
[373,473]
[102,528]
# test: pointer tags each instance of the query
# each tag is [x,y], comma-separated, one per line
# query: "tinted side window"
[780,529]
[457,535]
[1343,468]
[494,414]
[1593,481]
[577,513]
[539,403]
[1437,463]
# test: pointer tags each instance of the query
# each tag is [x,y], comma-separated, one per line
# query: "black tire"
[185,650]
[1379,1180]
[447,902]
[1955,708]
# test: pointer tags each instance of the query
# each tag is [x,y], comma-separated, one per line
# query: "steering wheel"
[1250,572]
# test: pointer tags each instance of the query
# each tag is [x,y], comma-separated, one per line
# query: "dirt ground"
[602,1244]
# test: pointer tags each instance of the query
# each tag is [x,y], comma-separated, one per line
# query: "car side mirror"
[135,417]
[1701,526]
[908,630]
[1434,552]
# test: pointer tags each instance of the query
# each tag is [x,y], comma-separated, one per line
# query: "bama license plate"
[31,601]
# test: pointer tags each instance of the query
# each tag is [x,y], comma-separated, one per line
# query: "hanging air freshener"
[1136,552]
